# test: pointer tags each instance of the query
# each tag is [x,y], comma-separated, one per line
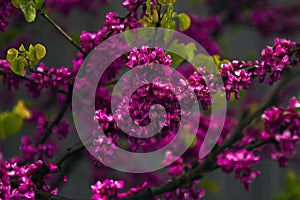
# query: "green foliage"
[21,58]
[166,2]
[12,122]
[209,186]
[184,21]
[292,187]
[186,51]
[163,15]
[28,8]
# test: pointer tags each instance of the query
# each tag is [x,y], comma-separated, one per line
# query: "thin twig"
[61,31]
[58,118]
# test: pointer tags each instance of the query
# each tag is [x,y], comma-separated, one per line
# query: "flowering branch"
[26,78]
[209,164]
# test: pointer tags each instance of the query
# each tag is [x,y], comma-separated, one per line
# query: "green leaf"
[39,4]
[17,66]
[21,110]
[35,54]
[11,54]
[28,9]
[15,3]
[22,48]
[129,37]
[10,123]
[184,21]
[166,2]
[148,7]
[190,51]
[209,186]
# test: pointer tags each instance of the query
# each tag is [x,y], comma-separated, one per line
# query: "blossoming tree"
[261,128]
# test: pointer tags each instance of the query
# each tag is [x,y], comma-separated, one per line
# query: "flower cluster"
[130,5]
[283,126]
[235,77]
[31,151]
[48,78]
[241,163]
[104,148]
[110,189]
[62,129]
[203,84]
[146,55]
[8,77]
[105,121]
[274,59]
[176,167]
[107,189]
[6,8]
[19,182]
[112,25]
[186,193]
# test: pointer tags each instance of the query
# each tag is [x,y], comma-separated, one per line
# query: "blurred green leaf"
[39,4]
[210,186]
[15,3]
[292,187]
[148,7]
[184,21]
[21,110]
[10,123]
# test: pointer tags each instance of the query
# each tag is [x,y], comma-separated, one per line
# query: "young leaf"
[28,9]
[40,51]
[129,37]
[15,3]
[148,7]
[190,51]
[10,123]
[11,54]
[21,110]
[184,21]
[39,4]
[22,48]
[17,66]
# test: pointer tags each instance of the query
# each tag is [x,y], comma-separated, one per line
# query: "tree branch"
[209,164]
[58,118]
